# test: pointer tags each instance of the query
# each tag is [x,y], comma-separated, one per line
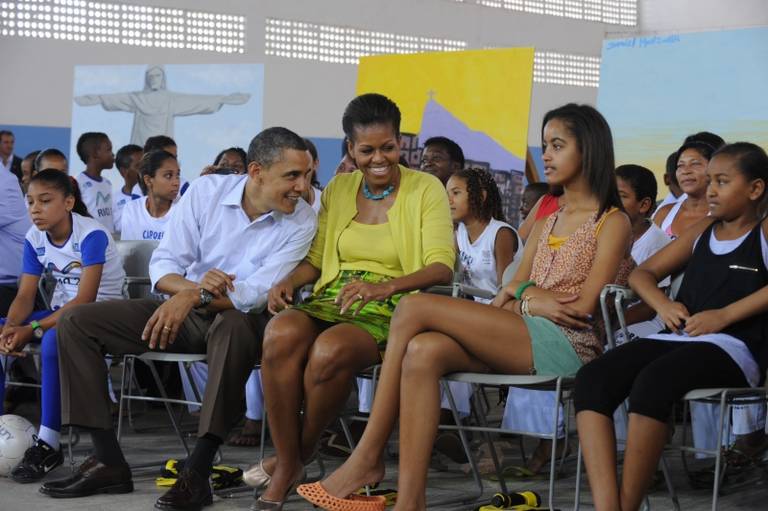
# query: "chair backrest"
[46,286]
[136,255]
[674,287]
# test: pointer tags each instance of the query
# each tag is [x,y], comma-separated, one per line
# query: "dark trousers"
[7,294]
[231,340]
[654,375]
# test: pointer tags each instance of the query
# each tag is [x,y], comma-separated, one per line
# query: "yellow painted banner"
[488,91]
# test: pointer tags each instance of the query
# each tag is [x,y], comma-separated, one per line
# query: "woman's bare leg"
[479,329]
[338,354]
[598,445]
[287,341]
[429,356]
[646,438]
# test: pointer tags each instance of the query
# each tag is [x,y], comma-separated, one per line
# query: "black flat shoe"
[191,492]
[91,478]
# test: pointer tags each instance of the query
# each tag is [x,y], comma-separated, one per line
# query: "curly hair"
[478,181]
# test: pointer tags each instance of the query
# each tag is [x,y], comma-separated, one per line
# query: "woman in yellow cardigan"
[384,230]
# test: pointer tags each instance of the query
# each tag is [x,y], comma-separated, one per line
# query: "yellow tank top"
[369,247]
[555,242]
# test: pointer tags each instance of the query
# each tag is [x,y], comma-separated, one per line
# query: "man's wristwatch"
[37,330]
[206,297]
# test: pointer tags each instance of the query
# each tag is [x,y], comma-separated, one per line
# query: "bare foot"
[249,436]
[542,456]
[353,475]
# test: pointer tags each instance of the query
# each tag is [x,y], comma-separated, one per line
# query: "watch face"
[38,333]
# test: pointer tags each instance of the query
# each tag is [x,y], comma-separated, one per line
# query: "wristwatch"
[37,330]
[206,297]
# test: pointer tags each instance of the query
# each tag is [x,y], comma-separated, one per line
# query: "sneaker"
[38,460]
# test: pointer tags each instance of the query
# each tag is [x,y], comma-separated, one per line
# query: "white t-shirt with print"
[97,196]
[122,199]
[138,224]
[90,243]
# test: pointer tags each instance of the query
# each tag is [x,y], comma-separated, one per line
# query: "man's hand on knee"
[164,325]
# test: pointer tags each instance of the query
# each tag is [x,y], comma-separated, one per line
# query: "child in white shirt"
[147,218]
[95,149]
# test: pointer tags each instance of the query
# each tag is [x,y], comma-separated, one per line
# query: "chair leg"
[125,393]
[263,434]
[553,454]
[489,441]
[473,465]
[577,492]
[168,408]
[718,455]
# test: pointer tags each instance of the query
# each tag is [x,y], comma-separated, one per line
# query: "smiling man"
[441,158]
[230,240]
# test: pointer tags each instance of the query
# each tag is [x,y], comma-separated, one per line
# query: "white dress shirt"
[209,229]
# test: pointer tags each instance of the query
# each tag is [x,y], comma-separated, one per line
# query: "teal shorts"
[553,353]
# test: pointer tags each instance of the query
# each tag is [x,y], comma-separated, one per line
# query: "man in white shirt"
[231,238]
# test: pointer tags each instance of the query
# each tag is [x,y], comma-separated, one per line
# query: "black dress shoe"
[191,492]
[92,477]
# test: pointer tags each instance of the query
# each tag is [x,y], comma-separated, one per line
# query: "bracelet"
[522,287]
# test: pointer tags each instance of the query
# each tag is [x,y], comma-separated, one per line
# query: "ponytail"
[65,184]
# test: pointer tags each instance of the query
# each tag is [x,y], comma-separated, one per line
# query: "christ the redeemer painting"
[155,107]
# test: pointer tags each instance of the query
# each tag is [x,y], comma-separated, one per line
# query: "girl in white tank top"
[486,244]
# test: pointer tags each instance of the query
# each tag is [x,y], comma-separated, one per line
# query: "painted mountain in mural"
[438,121]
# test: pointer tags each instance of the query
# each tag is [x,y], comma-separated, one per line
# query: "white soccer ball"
[16,436]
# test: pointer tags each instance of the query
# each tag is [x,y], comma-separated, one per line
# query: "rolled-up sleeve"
[251,295]
[437,227]
[179,246]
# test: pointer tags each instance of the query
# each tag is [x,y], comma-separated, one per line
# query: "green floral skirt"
[374,318]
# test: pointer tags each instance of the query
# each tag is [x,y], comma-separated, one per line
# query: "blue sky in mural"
[656,90]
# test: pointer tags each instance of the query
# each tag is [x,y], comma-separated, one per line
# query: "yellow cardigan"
[419,219]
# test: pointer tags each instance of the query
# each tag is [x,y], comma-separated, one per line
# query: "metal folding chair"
[562,386]
[725,397]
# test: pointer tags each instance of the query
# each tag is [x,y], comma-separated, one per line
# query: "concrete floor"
[157,442]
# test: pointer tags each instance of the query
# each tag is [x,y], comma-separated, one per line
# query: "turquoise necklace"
[376,196]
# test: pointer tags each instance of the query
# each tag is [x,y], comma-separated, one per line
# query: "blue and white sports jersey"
[138,224]
[122,199]
[88,244]
[97,196]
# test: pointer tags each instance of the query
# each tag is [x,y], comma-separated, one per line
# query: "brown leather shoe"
[190,492]
[92,477]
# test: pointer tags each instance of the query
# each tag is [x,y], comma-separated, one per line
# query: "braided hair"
[478,181]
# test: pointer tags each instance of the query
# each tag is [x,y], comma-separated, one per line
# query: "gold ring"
[359,296]
[166,327]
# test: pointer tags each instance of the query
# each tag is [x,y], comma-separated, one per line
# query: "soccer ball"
[16,436]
